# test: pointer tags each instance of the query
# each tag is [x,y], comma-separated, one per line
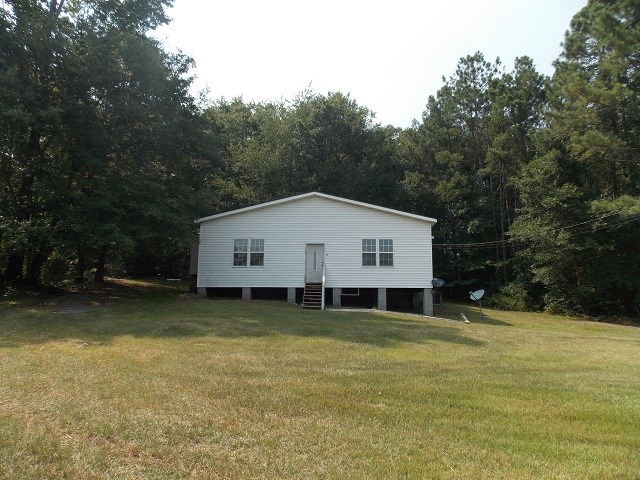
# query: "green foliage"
[579,199]
[534,180]
[316,142]
[98,137]
[515,297]
[105,158]
[461,161]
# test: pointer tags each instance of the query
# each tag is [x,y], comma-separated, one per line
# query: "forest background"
[106,158]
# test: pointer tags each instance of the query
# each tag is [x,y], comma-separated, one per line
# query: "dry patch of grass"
[150,386]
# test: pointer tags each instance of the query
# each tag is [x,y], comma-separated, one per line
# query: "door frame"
[306,269]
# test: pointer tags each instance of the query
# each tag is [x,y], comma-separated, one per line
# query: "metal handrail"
[323,278]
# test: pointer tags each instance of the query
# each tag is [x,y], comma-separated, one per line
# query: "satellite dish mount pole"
[477,296]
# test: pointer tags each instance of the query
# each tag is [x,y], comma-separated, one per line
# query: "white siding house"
[300,241]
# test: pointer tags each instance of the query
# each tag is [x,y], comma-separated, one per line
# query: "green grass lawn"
[157,384]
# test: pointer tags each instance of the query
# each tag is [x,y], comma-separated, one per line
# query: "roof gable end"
[320,195]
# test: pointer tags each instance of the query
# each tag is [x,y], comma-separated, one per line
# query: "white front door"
[315,260]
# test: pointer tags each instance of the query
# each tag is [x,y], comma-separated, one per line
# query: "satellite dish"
[437,282]
[477,295]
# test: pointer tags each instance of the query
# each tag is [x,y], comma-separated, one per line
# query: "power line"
[523,242]
[608,225]
[494,243]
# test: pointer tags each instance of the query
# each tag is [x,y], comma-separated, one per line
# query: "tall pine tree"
[580,199]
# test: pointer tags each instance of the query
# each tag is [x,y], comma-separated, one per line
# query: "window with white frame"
[385,249]
[248,252]
[240,249]
[257,252]
[368,252]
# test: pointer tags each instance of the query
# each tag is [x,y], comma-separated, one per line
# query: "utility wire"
[608,225]
[494,243]
[523,242]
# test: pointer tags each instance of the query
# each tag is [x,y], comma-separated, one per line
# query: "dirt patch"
[86,297]
[71,303]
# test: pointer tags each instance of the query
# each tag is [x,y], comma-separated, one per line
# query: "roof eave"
[321,195]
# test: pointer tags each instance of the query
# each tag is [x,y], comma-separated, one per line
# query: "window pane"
[239,259]
[386,245]
[368,245]
[257,259]
[240,245]
[386,259]
[257,245]
[368,259]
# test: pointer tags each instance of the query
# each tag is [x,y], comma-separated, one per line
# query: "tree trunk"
[493,216]
[80,268]
[503,209]
[13,271]
[100,264]
[55,7]
[34,268]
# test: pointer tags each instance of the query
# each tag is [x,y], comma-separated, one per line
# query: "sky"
[390,56]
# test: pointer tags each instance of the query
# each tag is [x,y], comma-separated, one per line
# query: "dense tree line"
[105,157]
[99,139]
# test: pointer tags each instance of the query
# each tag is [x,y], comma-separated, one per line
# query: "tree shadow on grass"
[453,310]
[354,327]
[166,316]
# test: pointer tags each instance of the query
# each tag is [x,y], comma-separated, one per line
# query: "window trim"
[391,252]
[374,252]
[251,251]
[248,253]
[377,252]
[245,252]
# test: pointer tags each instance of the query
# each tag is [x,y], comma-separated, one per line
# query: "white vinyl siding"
[288,227]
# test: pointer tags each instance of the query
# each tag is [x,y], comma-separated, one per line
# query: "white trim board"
[429,220]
